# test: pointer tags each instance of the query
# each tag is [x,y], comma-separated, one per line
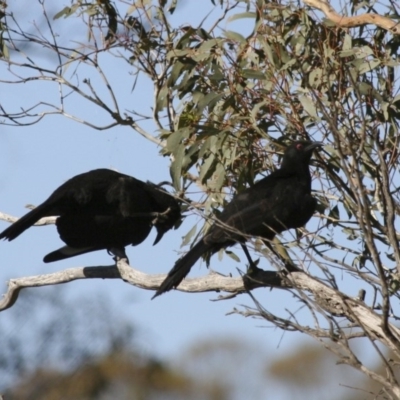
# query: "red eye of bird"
[299,146]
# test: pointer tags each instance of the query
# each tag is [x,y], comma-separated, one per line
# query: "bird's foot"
[254,276]
[118,253]
[253,269]
[161,217]
[290,266]
[252,266]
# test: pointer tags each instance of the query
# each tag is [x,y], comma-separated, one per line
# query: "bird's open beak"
[313,145]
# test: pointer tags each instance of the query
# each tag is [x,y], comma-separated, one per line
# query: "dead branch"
[358,20]
[327,298]
[213,282]
[42,221]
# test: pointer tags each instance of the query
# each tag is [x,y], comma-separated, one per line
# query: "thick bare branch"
[212,282]
[327,298]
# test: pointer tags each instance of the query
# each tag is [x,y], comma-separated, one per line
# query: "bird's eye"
[299,146]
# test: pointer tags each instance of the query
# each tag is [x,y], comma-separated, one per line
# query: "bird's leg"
[252,265]
[119,253]
[253,274]
[289,265]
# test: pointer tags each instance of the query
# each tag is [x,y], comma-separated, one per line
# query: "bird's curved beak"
[160,234]
[313,145]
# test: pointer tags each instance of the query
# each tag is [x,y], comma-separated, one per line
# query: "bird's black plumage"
[274,204]
[102,209]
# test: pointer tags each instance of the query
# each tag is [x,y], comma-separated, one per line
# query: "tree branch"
[358,20]
[327,298]
[212,282]
[42,221]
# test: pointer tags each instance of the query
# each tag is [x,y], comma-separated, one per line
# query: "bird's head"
[299,153]
[169,218]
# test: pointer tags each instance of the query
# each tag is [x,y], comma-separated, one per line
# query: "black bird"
[102,209]
[274,204]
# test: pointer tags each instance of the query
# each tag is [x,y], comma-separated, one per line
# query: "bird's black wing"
[113,212]
[84,193]
[128,196]
[250,212]
[278,202]
[116,215]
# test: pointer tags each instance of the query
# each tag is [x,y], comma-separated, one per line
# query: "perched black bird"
[274,204]
[102,209]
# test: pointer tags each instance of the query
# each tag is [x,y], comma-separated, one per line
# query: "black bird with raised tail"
[276,203]
[102,209]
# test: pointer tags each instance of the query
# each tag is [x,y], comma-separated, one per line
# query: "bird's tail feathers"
[67,252]
[24,222]
[182,267]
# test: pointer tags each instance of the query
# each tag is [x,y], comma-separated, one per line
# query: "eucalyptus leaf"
[176,167]
[235,36]
[188,237]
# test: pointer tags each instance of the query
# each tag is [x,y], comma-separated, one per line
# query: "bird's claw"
[118,253]
[161,217]
[253,269]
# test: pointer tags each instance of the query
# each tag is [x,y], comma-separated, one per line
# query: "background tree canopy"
[227,95]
